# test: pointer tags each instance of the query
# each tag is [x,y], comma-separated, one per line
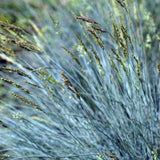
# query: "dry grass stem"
[86,19]
[15,84]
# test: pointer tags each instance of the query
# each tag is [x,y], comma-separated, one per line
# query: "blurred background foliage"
[17,11]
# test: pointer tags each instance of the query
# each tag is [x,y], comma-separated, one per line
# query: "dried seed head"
[86,19]
[15,84]
[48,76]
[72,55]
[158,67]
[119,59]
[7,50]
[10,27]
[23,44]
[126,36]
[69,85]
[15,70]
[121,41]
[122,4]
[98,29]
[25,100]
[32,84]
[92,32]
[138,66]
[111,156]
[77,93]
[96,57]
[116,55]
[66,80]
[96,38]
[50,90]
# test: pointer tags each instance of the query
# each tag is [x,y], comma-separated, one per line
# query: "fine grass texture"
[81,84]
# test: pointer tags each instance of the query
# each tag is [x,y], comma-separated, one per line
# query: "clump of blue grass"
[90,95]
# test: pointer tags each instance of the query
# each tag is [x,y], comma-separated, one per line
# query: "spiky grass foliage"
[83,88]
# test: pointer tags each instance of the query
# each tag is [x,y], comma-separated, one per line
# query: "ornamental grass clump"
[81,86]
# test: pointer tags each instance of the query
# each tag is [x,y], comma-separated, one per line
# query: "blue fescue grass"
[91,96]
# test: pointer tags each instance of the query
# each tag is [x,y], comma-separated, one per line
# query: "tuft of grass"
[94,98]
